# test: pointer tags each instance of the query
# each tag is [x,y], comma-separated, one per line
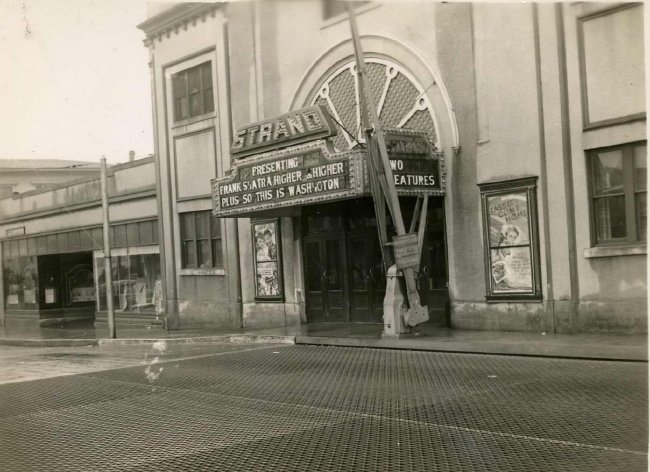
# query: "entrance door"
[325,281]
[367,277]
[344,275]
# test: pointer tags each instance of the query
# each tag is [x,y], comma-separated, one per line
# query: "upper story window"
[612,65]
[332,8]
[192,92]
[619,193]
[201,240]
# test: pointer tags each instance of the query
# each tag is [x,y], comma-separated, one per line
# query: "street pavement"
[19,364]
[304,407]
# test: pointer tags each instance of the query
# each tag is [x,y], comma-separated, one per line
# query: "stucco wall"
[195,298]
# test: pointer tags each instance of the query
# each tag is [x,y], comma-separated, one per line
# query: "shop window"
[41,245]
[192,92]
[73,241]
[31,246]
[146,232]
[201,240]
[20,276]
[133,234]
[80,284]
[618,194]
[62,242]
[119,235]
[96,235]
[136,282]
[511,241]
[52,244]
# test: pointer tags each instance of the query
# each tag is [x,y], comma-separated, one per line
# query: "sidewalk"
[427,338]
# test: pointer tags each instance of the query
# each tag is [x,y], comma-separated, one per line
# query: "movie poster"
[510,251]
[266,252]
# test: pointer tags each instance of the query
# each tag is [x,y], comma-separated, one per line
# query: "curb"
[49,342]
[604,353]
[235,339]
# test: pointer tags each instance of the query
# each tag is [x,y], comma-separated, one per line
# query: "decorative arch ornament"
[402,102]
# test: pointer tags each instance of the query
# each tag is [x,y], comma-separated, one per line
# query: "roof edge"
[176,17]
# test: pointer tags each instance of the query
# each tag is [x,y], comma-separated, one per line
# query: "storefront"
[53,268]
[60,277]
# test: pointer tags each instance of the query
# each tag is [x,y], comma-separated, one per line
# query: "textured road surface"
[310,408]
[18,364]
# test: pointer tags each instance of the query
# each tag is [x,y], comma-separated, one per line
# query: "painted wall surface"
[612,289]
[465,248]
[207,298]
[508,127]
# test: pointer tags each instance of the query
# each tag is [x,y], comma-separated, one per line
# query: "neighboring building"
[23,175]
[538,111]
[52,265]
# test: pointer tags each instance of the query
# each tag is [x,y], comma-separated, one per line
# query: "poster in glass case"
[266,259]
[509,216]
[509,240]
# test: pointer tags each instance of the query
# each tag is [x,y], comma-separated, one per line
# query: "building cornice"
[175,18]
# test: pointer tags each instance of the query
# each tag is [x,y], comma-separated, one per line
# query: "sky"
[74,80]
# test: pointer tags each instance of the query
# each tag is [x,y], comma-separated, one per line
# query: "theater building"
[524,124]
[52,251]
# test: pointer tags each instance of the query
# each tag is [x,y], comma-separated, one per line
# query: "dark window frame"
[629,193]
[206,90]
[215,246]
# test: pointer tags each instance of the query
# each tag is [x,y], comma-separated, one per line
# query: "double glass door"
[345,279]
[325,280]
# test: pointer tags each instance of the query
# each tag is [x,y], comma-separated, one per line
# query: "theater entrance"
[345,279]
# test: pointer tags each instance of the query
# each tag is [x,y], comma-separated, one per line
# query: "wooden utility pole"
[416,313]
[107,253]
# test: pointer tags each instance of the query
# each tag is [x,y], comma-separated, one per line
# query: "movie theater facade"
[267,218]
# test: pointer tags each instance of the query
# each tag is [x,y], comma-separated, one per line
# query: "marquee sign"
[416,167]
[306,124]
[298,175]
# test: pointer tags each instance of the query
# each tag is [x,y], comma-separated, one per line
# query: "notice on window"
[50,296]
[82,294]
[29,296]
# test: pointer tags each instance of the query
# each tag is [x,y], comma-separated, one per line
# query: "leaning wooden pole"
[107,253]
[416,314]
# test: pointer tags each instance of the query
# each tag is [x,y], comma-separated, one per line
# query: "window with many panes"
[201,240]
[618,191]
[192,92]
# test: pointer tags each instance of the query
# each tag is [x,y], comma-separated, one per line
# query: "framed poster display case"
[267,259]
[511,242]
